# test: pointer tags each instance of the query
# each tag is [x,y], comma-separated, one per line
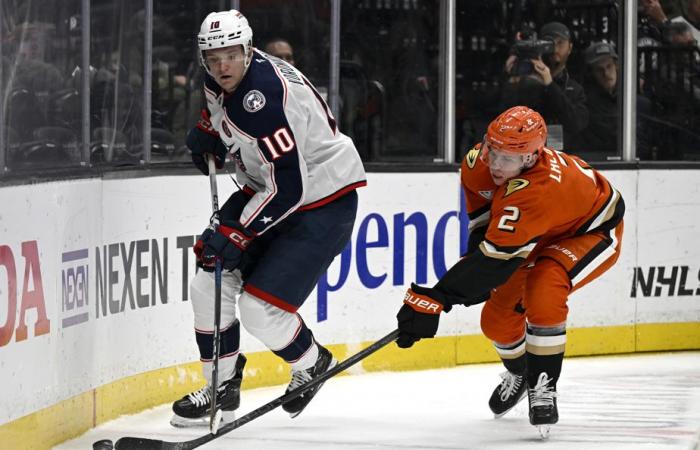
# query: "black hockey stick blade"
[136,443]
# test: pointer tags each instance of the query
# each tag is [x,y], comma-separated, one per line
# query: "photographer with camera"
[537,77]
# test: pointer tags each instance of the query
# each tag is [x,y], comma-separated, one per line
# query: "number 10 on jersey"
[281,142]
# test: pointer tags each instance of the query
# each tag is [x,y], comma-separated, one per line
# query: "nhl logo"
[253,101]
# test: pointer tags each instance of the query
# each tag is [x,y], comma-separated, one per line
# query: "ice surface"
[617,402]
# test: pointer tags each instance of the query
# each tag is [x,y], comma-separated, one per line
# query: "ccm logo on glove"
[236,236]
[422,303]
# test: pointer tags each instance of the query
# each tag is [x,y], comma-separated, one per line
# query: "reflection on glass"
[176,98]
[388,74]
[305,27]
[389,78]
[295,29]
[42,105]
[532,53]
[116,100]
[668,112]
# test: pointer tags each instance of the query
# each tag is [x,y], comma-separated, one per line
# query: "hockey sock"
[545,352]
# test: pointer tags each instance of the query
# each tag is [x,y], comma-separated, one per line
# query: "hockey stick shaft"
[214,190]
[135,443]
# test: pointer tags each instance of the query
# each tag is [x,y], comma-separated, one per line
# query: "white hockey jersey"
[288,151]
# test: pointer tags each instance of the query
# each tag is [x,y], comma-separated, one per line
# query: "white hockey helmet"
[225,29]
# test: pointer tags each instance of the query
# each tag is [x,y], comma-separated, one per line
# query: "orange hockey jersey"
[559,197]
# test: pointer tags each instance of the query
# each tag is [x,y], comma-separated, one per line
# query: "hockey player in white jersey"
[280,232]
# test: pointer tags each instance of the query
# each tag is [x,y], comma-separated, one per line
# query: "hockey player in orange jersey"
[542,225]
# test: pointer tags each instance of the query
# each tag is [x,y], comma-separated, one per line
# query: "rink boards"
[95,319]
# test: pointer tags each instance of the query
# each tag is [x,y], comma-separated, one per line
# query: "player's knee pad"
[273,326]
[546,293]
[502,324]
[202,295]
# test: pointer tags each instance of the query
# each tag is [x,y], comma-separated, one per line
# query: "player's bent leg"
[193,409]
[286,334]
[202,297]
[513,386]
[503,321]
[545,353]
[545,299]
[560,269]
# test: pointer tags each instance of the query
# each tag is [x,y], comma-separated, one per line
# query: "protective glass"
[501,159]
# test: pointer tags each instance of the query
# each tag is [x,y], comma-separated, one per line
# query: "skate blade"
[292,415]
[201,422]
[498,416]
[544,431]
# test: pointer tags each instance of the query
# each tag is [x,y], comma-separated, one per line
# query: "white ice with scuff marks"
[618,402]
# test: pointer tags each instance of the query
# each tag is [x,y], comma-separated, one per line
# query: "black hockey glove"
[203,140]
[199,248]
[420,315]
[228,243]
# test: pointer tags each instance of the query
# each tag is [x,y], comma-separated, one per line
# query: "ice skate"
[543,405]
[193,409]
[512,389]
[324,362]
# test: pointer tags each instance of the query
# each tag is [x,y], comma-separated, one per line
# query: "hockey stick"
[135,443]
[213,418]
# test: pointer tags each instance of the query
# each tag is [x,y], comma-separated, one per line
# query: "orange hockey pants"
[542,289]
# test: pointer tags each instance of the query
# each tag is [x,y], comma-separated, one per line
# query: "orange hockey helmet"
[517,130]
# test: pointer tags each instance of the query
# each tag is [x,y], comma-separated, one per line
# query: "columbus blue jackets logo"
[253,101]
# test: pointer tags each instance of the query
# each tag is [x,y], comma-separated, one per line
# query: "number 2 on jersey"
[514,216]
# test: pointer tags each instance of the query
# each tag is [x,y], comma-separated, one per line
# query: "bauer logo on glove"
[422,303]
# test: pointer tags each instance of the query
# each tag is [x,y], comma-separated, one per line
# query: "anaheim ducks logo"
[472,156]
[515,184]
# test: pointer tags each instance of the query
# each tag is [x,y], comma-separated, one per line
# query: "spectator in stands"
[549,89]
[30,81]
[687,70]
[669,77]
[651,20]
[601,93]
[32,71]
[602,88]
[679,34]
[280,48]
[691,16]
[115,99]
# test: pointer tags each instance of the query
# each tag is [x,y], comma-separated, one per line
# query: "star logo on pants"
[266,220]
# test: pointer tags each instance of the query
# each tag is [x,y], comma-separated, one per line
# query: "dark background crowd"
[563,58]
